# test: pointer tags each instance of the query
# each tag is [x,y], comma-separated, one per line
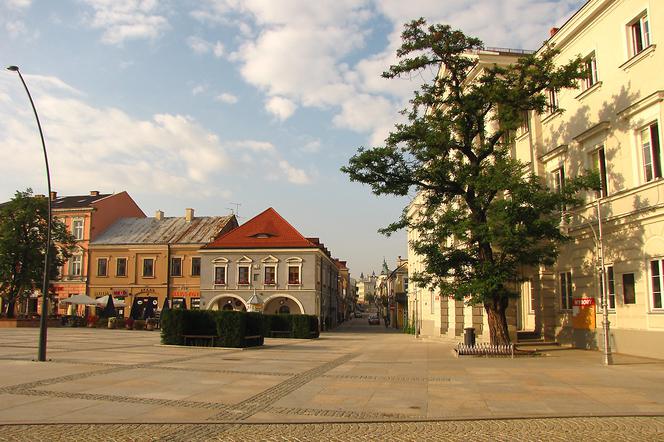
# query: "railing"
[484,350]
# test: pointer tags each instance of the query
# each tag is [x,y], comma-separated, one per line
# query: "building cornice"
[654,98]
[602,126]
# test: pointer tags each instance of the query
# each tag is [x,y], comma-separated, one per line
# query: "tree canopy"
[479,214]
[23,229]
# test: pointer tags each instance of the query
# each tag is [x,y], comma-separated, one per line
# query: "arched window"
[284,309]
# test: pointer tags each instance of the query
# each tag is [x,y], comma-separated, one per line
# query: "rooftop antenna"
[235,212]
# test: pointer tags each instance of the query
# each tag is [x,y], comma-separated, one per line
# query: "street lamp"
[608,358]
[41,354]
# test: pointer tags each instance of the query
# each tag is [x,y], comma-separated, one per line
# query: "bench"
[281,333]
[195,339]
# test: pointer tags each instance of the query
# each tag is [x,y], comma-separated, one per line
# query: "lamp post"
[608,357]
[41,354]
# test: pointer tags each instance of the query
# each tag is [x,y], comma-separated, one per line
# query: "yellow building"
[144,260]
[611,123]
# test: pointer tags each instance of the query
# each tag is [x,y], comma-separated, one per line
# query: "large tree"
[23,228]
[479,215]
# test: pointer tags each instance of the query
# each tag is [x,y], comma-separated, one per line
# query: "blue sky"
[211,102]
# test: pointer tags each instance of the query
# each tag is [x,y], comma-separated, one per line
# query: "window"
[629,290]
[558,177]
[196,266]
[294,275]
[657,278]
[523,125]
[75,265]
[220,275]
[652,166]
[121,267]
[611,292]
[639,34]
[552,100]
[102,267]
[431,302]
[77,228]
[566,290]
[148,267]
[590,65]
[176,266]
[270,275]
[195,303]
[243,275]
[598,161]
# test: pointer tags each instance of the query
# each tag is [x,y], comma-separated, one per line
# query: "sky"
[223,105]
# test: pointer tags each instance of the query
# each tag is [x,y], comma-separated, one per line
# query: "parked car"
[373,320]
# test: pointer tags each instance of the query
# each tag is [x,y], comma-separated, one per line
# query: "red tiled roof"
[266,230]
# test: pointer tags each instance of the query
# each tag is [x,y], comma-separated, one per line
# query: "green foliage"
[480,217]
[299,326]
[230,327]
[23,234]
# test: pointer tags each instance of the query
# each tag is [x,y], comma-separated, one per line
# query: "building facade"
[613,124]
[268,257]
[146,260]
[86,217]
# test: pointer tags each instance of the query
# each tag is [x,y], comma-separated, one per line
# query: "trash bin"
[469,336]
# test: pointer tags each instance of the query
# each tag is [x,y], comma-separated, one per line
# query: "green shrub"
[101,323]
[300,326]
[229,327]
[139,324]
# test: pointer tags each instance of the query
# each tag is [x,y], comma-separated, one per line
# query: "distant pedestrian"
[387,321]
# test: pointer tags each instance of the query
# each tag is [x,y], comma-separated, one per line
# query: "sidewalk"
[359,373]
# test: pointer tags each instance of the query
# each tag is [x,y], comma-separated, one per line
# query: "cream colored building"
[612,123]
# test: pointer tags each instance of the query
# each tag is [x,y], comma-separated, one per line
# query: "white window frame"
[243,266]
[643,37]
[219,263]
[610,287]
[565,290]
[154,262]
[75,228]
[653,147]
[598,163]
[295,262]
[126,271]
[105,275]
[656,285]
[552,101]
[592,77]
[181,259]
[76,260]
[276,277]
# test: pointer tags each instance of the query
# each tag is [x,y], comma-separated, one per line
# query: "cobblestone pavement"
[549,429]
[356,383]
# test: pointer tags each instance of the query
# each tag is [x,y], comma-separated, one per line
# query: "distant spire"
[361,275]
[385,270]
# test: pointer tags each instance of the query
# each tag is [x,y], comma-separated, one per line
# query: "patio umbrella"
[117,302]
[79,300]
[109,310]
[165,306]
[134,309]
[149,309]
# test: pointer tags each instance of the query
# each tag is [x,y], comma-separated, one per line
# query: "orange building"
[142,261]
[86,217]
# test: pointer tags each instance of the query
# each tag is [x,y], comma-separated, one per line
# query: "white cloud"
[226,98]
[18,4]
[293,174]
[123,20]
[282,108]
[167,154]
[312,146]
[198,89]
[15,28]
[201,46]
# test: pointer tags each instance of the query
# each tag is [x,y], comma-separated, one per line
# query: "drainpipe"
[168,275]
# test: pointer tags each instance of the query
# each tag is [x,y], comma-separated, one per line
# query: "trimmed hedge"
[300,326]
[229,327]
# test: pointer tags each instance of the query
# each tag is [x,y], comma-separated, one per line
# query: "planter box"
[19,323]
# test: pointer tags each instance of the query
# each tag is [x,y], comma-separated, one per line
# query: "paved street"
[355,383]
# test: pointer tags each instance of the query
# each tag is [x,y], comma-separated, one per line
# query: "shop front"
[186,298]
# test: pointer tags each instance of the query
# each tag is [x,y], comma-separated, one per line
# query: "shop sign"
[120,292]
[583,313]
[186,293]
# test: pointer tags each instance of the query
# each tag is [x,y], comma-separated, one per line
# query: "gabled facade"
[86,217]
[268,257]
[146,260]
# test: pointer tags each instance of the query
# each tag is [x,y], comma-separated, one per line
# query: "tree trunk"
[495,311]
[10,308]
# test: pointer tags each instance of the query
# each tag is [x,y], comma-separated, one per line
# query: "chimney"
[159,215]
[94,193]
[188,214]
[553,31]
[54,195]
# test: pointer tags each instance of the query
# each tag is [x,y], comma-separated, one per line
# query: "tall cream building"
[611,123]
